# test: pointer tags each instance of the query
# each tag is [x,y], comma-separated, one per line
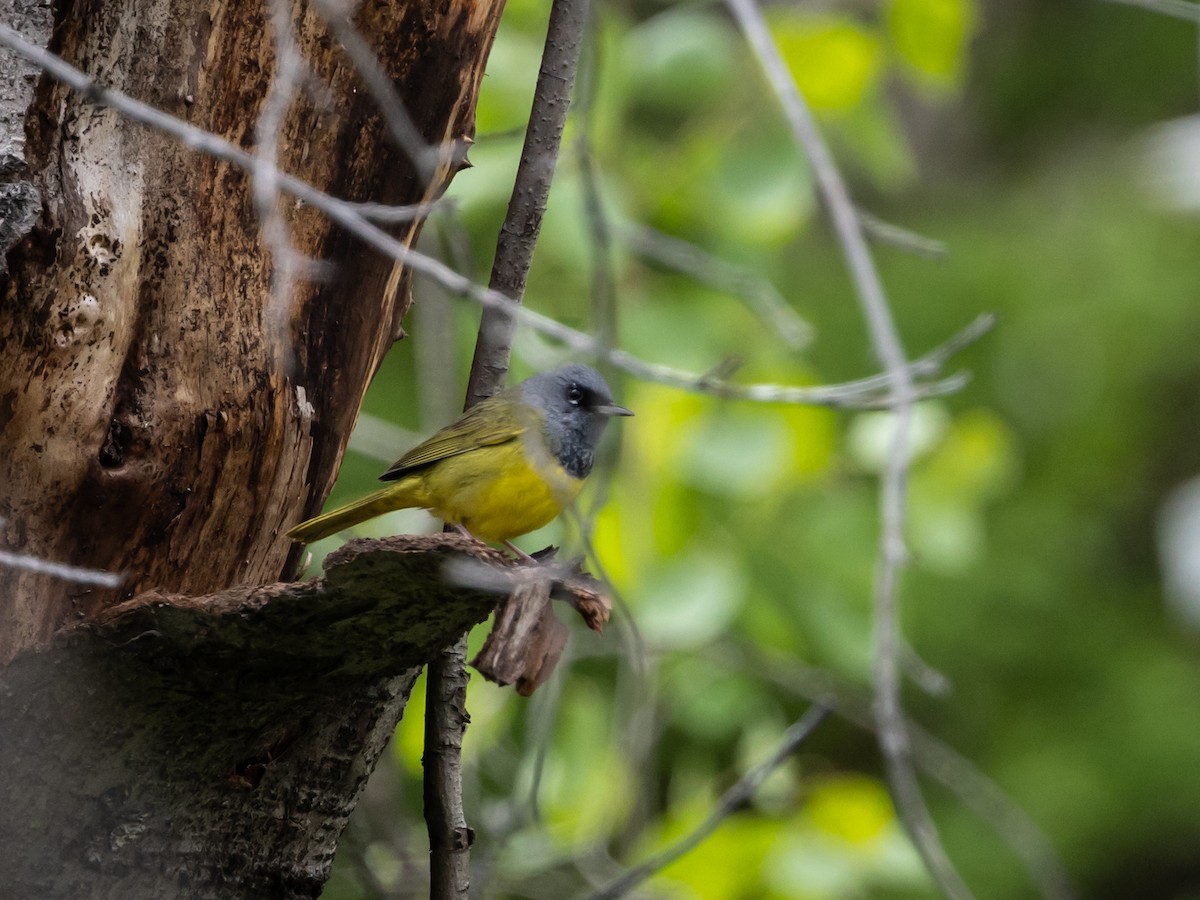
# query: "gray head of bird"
[576,403]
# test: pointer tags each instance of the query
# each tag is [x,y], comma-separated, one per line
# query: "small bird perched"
[508,465]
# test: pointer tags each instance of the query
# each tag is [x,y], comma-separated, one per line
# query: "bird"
[508,465]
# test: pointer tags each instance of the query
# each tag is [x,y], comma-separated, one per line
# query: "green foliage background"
[743,537]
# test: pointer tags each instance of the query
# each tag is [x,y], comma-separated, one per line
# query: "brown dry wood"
[527,638]
[214,746]
[147,422]
[526,641]
[153,422]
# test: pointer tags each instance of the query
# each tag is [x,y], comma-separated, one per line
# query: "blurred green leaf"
[677,63]
[690,601]
[834,59]
[931,36]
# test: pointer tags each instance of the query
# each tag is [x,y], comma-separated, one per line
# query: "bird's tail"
[395,496]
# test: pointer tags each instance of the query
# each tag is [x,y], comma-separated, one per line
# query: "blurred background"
[1055,501]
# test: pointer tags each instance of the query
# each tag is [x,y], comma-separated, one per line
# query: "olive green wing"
[496,420]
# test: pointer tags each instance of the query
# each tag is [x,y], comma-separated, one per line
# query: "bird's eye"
[574,395]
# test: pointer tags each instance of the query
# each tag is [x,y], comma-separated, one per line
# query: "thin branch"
[734,799]
[603,287]
[446,720]
[388,214]
[893,734]
[1179,9]
[336,15]
[493,348]
[523,221]
[435,354]
[636,689]
[542,717]
[377,438]
[936,758]
[76,574]
[759,293]
[289,66]
[862,394]
[604,279]
[841,210]
[904,239]
[922,674]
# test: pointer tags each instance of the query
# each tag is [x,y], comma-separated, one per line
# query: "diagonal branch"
[735,798]
[758,292]
[400,125]
[893,733]
[868,393]
[1179,9]
[289,66]
[446,716]
[936,759]
[531,189]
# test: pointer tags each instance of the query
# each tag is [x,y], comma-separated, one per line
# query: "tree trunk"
[160,418]
[155,420]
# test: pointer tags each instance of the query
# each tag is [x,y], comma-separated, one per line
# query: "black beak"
[611,409]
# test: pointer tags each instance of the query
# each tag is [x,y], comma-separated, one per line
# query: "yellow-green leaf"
[834,59]
[931,36]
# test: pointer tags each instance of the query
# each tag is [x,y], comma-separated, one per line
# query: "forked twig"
[869,393]
[889,714]
[735,798]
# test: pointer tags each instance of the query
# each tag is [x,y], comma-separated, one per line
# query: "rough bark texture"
[20,200]
[156,419]
[147,422]
[213,746]
[446,720]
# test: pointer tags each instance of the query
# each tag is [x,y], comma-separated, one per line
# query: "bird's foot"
[521,554]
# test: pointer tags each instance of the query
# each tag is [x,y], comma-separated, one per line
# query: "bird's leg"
[521,554]
[462,529]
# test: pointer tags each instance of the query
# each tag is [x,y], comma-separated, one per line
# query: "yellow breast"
[499,492]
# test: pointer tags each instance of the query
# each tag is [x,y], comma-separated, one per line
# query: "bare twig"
[603,288]
[435,352]
[383,212]
[289,66]
[866,393]
[936,758]
[731,801]
[518,234]
[887,233]
[1179,9]
[636,690]
[446,721]
[77,574]
[759,293]
[379,439]
[922,674]
[604,280]
[889,713]
[493,348]
[336,15]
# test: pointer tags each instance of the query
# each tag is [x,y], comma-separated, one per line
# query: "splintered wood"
[527,638]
